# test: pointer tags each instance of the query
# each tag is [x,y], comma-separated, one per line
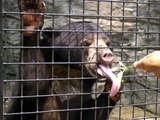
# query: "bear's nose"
[105,56]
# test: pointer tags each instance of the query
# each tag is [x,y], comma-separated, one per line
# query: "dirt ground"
[131,113]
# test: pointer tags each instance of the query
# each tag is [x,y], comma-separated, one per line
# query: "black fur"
[79,31]
[29,73]
[71,36]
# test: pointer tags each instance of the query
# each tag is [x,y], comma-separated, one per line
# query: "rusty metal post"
[1,65]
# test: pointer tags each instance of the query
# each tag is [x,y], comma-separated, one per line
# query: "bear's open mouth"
[105,71]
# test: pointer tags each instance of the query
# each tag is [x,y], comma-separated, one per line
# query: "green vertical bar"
[1,65]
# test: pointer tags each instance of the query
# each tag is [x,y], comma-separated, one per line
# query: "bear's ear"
[49,34]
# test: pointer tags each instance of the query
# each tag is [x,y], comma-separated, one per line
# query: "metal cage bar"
[135,31]
[1,64]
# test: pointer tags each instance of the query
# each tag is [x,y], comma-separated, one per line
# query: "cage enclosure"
[57,56]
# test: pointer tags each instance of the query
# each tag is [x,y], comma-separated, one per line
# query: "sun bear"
[32,70]
[68,76]
[84,48]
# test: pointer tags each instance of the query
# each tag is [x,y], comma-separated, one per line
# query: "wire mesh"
[44,67]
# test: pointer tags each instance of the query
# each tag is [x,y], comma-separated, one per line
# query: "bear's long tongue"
[105,71]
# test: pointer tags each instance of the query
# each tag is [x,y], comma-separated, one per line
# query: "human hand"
[150,63]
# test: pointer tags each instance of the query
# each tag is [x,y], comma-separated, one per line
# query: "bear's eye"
[85,43]
[108,43]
